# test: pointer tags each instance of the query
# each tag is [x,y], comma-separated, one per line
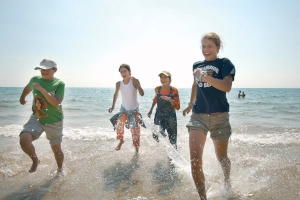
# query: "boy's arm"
[53,100]
[115,97]
[25,92]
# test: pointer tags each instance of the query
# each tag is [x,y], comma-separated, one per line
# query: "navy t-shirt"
[208,98]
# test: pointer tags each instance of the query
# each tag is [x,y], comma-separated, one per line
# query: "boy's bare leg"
[120,144]
[197,141]
[28,148]
[59,155]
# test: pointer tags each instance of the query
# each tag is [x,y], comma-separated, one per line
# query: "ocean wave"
[9,101]
[7,105]
[270,139]
[273,136]
[12,117]
[12,130]
[70,133]
[72,108]
[88,133]
[75,100]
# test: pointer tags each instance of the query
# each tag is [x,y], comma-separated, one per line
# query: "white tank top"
[129,96]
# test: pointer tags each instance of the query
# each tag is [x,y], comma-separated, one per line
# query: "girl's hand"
[187,110]
[135,82]
[111,109]
[196,72]
[149,113]
[165,98]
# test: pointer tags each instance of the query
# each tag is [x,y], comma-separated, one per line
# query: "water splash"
[176,158]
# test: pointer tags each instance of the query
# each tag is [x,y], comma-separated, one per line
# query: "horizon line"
[176,87]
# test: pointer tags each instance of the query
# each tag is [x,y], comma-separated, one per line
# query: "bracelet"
[191,104]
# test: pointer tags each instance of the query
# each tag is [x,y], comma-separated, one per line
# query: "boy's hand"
[37,86]
[22,101]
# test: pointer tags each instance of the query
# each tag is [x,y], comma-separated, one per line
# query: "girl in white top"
[129,109]
[129,95]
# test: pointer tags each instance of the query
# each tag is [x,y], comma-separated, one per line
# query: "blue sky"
[90,39]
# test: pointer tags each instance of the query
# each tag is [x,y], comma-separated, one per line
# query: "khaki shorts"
[53,131]
[217,124]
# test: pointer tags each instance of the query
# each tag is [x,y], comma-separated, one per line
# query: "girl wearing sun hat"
[167,100]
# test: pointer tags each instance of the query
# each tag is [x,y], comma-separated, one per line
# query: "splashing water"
[176,158]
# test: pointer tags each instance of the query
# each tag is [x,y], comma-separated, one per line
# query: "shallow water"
[264,151]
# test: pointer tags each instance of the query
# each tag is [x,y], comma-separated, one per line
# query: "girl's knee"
[223,159]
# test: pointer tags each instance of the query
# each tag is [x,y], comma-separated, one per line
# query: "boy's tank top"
[129,96]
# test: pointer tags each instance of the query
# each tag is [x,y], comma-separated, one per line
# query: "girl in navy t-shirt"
[212,79]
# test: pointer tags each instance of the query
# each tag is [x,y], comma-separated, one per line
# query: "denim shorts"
[53,131]
[217,124]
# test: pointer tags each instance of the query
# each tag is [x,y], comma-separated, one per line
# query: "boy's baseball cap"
[46,64]
[165,73]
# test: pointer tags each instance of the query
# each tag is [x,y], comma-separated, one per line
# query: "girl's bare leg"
[221,154]
[120,130]
[119,145]
[197,141]
[135,132]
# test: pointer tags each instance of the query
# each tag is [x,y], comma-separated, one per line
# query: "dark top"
[208,98]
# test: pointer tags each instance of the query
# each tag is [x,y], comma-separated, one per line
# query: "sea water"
[264,150]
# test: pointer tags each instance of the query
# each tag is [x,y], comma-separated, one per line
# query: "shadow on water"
[33,192]
[120,175]
[166,178]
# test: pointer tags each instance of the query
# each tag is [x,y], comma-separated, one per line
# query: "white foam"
[267,138]
[89,133]
[12,130]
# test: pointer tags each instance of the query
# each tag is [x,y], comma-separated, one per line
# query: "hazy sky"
[89,39]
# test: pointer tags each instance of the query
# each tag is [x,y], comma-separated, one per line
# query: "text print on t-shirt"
[209,69]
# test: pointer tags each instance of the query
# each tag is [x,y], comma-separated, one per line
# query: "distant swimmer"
[243,94]
[239,95]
